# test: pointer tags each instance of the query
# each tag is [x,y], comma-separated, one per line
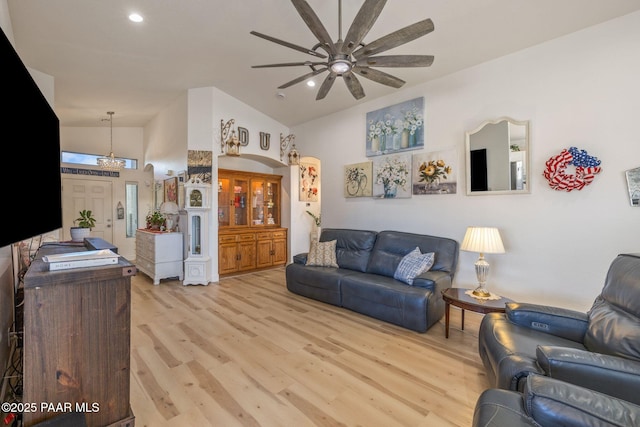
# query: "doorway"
[96,196]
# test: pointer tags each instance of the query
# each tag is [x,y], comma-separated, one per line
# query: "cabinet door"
[227,257]
[224,198]
[279,251]
[247,255]
[257,202]
[263,253]
[273,203]
[240,202]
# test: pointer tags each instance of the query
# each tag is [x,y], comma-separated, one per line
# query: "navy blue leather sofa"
[364,281]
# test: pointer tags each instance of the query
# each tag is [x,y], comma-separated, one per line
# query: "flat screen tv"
[31,142]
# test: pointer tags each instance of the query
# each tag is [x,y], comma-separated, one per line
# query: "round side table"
[458,298]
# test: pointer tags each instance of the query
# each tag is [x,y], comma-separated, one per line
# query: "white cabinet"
[159,254]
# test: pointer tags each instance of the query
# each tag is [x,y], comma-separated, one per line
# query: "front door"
[79,194]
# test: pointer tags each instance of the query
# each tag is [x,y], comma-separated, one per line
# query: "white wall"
[208,109]
[580,90]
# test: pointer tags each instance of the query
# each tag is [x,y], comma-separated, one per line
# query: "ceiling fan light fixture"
[340,66]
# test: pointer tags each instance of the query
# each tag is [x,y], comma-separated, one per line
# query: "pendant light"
[109,162]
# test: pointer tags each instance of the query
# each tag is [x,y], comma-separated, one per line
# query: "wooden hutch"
[249,233]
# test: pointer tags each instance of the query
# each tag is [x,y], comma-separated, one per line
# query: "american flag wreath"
[586,168]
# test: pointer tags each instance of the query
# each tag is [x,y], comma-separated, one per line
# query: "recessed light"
[135,17]
[311,83]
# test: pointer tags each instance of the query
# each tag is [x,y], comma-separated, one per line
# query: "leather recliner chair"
[549,402]
[598,350]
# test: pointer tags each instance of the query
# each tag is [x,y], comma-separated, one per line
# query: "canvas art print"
[358,180]
[434,172]
[396,128]
[392,176]
[309,182]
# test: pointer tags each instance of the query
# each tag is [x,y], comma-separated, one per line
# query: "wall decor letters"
[243,136]
[264,140]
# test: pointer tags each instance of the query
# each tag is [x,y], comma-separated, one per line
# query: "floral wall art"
[399,127]
[392,176]
[435,172]
[309,182]
[358,180]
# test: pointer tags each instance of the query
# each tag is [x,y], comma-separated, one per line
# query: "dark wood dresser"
[77,334]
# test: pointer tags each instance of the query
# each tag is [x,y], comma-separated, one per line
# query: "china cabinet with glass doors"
[249,233]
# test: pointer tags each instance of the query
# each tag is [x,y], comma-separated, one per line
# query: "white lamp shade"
[483,240]
[170,208]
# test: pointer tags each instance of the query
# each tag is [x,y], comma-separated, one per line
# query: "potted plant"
[315,233]
[155,220]
[83,225]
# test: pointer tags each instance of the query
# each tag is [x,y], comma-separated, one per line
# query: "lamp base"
[481,292]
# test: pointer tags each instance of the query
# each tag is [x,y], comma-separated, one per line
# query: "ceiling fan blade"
[354,85]
[399,61]
[289,45]
[379,76]
[289,64]
[361,24]
[302,78]
[314,24]
[326,85]
[397,38]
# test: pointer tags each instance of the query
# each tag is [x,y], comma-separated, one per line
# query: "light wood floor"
[247,352]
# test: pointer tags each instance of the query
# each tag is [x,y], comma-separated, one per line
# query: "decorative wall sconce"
[294,157]
[284,143]
[231,142]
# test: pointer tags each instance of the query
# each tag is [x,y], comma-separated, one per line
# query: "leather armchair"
[598,350]
[549,402]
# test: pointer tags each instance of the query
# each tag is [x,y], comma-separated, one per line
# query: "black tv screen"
[31,143]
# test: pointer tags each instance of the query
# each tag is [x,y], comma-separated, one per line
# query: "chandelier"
[109,162]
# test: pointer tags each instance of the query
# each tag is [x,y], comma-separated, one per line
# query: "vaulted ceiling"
[103,62]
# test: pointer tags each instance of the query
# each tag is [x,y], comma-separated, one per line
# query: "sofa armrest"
[552,402]
[561,322]
[612,375]
[300,258]
[434,280]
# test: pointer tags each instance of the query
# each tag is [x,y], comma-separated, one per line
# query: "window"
[92,159]
[131,208]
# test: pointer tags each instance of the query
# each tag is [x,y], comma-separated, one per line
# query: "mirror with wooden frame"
[497,158]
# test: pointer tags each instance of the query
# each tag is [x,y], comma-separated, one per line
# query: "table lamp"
[169,209]
[484,240]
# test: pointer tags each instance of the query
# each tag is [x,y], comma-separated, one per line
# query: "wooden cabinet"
[271,248]
[159,254]
[249,232]
[77,326]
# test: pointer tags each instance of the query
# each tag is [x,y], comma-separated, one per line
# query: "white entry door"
[79,194]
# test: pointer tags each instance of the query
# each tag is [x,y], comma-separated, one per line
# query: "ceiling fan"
[348,57]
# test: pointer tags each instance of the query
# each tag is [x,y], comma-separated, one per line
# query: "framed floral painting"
[309,182]
[171,190]
[435,172]
[392,176]
[396,128]
[358,180]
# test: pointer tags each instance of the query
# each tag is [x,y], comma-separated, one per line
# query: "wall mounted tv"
[31,139]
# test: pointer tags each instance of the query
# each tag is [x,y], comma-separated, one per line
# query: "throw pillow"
[413,264]
[322,254]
